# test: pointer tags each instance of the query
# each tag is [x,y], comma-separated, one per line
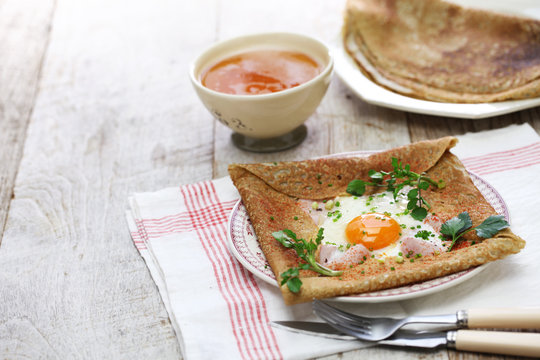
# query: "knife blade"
[312,328]
[494,342]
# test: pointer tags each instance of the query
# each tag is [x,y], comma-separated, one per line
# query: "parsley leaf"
[292,272]
[412,194]
[424,185]
[491,226]
[419,213]
[462,224]
[293,283]
[356,187]
[467,222]
[417,204]
[305,251]
[376,176]
[453,226]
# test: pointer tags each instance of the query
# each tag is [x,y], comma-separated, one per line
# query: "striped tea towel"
[220,310]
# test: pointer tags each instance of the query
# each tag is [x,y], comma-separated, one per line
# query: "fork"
[378,328]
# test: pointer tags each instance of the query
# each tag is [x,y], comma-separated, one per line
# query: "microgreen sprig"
[462,224]
[305,251]
[407,177]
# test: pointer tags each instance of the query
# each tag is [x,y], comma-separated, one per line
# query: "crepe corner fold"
[270,192]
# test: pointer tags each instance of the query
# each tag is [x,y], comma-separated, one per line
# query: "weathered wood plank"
[115,114]
[24,34]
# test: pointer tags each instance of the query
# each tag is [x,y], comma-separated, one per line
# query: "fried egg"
[374,226]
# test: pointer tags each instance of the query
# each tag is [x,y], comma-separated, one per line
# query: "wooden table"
[95,104]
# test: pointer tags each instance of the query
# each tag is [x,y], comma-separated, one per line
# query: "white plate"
[372,93]
[243,244]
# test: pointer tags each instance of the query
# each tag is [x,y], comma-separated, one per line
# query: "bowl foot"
[274,144]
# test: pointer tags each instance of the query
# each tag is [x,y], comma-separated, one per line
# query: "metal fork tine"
[346,330]
[336,318]
[333,313]
[358,333]
[328,316]
[347,325]
[365,322]
[345,314]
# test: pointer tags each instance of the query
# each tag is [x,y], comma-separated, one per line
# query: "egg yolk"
[373,230]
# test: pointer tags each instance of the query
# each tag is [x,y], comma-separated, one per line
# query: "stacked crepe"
[439,51]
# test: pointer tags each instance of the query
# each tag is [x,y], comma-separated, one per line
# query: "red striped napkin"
[220,310]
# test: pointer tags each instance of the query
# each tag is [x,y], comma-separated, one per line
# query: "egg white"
[346,208]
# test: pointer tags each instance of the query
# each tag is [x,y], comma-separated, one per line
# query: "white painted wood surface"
[95,104]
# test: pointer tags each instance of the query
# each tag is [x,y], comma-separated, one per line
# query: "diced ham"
[318,215]
[412,246]
[328,253]
[333,258]
[434,221]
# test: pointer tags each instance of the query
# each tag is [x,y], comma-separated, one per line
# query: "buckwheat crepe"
[435,50]
[270,192]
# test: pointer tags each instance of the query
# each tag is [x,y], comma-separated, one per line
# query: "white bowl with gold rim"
[265,122]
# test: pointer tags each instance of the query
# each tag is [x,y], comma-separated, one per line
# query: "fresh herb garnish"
[462,224]
[407,177]
[423,234]
[305,251]
[336,214]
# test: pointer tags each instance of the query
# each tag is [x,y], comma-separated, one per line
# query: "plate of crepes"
[368,227]
[440,58]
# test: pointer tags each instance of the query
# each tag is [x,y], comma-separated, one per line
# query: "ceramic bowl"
[268,117]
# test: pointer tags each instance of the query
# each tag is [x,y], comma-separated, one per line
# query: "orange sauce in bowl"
[260,72]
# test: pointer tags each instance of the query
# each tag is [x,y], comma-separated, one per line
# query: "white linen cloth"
[220,310]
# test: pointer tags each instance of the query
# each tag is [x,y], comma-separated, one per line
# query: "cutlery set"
[387,331]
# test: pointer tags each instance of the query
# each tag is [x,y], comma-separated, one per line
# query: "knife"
[494,342]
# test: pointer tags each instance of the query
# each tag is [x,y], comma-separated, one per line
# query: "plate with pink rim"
[243,244]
